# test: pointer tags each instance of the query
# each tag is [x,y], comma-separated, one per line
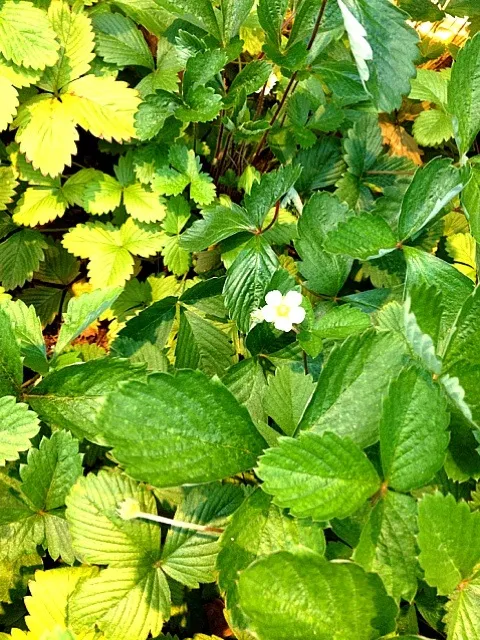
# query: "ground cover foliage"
[239,321]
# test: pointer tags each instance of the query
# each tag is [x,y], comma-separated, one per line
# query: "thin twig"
[274,219]
[179,523]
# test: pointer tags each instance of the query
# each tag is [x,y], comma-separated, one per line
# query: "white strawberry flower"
[283,311]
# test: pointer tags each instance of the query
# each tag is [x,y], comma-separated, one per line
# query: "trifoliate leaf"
[47,133]
[120,42]
[339,596]
[28,330]
[463,95]
[165,76]
[392,45]
[315,476]
[448,540]
[93,190]
[431,189]
[352,386]
[413,431]
[17,425]
[247,281]
[197,408]
[132,595]
[387,544]
[33,514]
[82,311]
[432,128]
[26,37]
[287,396]
[39,205]
[189,557]
[462,617]
[72,397]
[103,106]
[11,369]
[74,31]
[325,273]
[111,249]
[365,237]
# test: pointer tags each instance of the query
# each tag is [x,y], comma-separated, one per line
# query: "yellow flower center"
[283,310]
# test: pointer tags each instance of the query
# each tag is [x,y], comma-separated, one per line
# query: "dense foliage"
[239,322]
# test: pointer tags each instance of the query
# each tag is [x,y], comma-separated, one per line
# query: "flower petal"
[297,315]
[274,298]
[293,298]
[268,313]
[283,324]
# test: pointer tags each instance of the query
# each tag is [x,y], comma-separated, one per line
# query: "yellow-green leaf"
[102,105]
[143,204]
[75,33]
[26,37]
[8,104]
[39,205]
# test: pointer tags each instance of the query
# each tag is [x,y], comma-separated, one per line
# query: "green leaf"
[120,42]
[259,528]
[413,431]
[26,37]
[449,541]
[20,256]
[422,10]
[366,236]
[131,598]
[431,86]
[153,112]
[73,396]
[318,476]
[168,411]
[203,345]
[11,369]
[341,322]
[75,34]
[189,557]
[432,128]
[219,222]
[234,15]
[470,198]
[251,78]
[424,269]
[464,95]
[287,396]
[325,273]
[246,381]
[387,545]
[339,596]
[59,266]
[431,189]
[153,324]
[8,186]
[28,330]
[247,280]
[463,621]
[82,311]
[353,385]
[165,76]
[388,69]
[198,12]
[46,302]
[17,425]
[270,15]
[266,193]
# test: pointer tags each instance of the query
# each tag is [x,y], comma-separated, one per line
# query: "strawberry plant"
[239,319]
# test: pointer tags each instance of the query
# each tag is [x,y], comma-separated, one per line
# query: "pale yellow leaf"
[8,102]
[462,248]
[46,134]
[141,240]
